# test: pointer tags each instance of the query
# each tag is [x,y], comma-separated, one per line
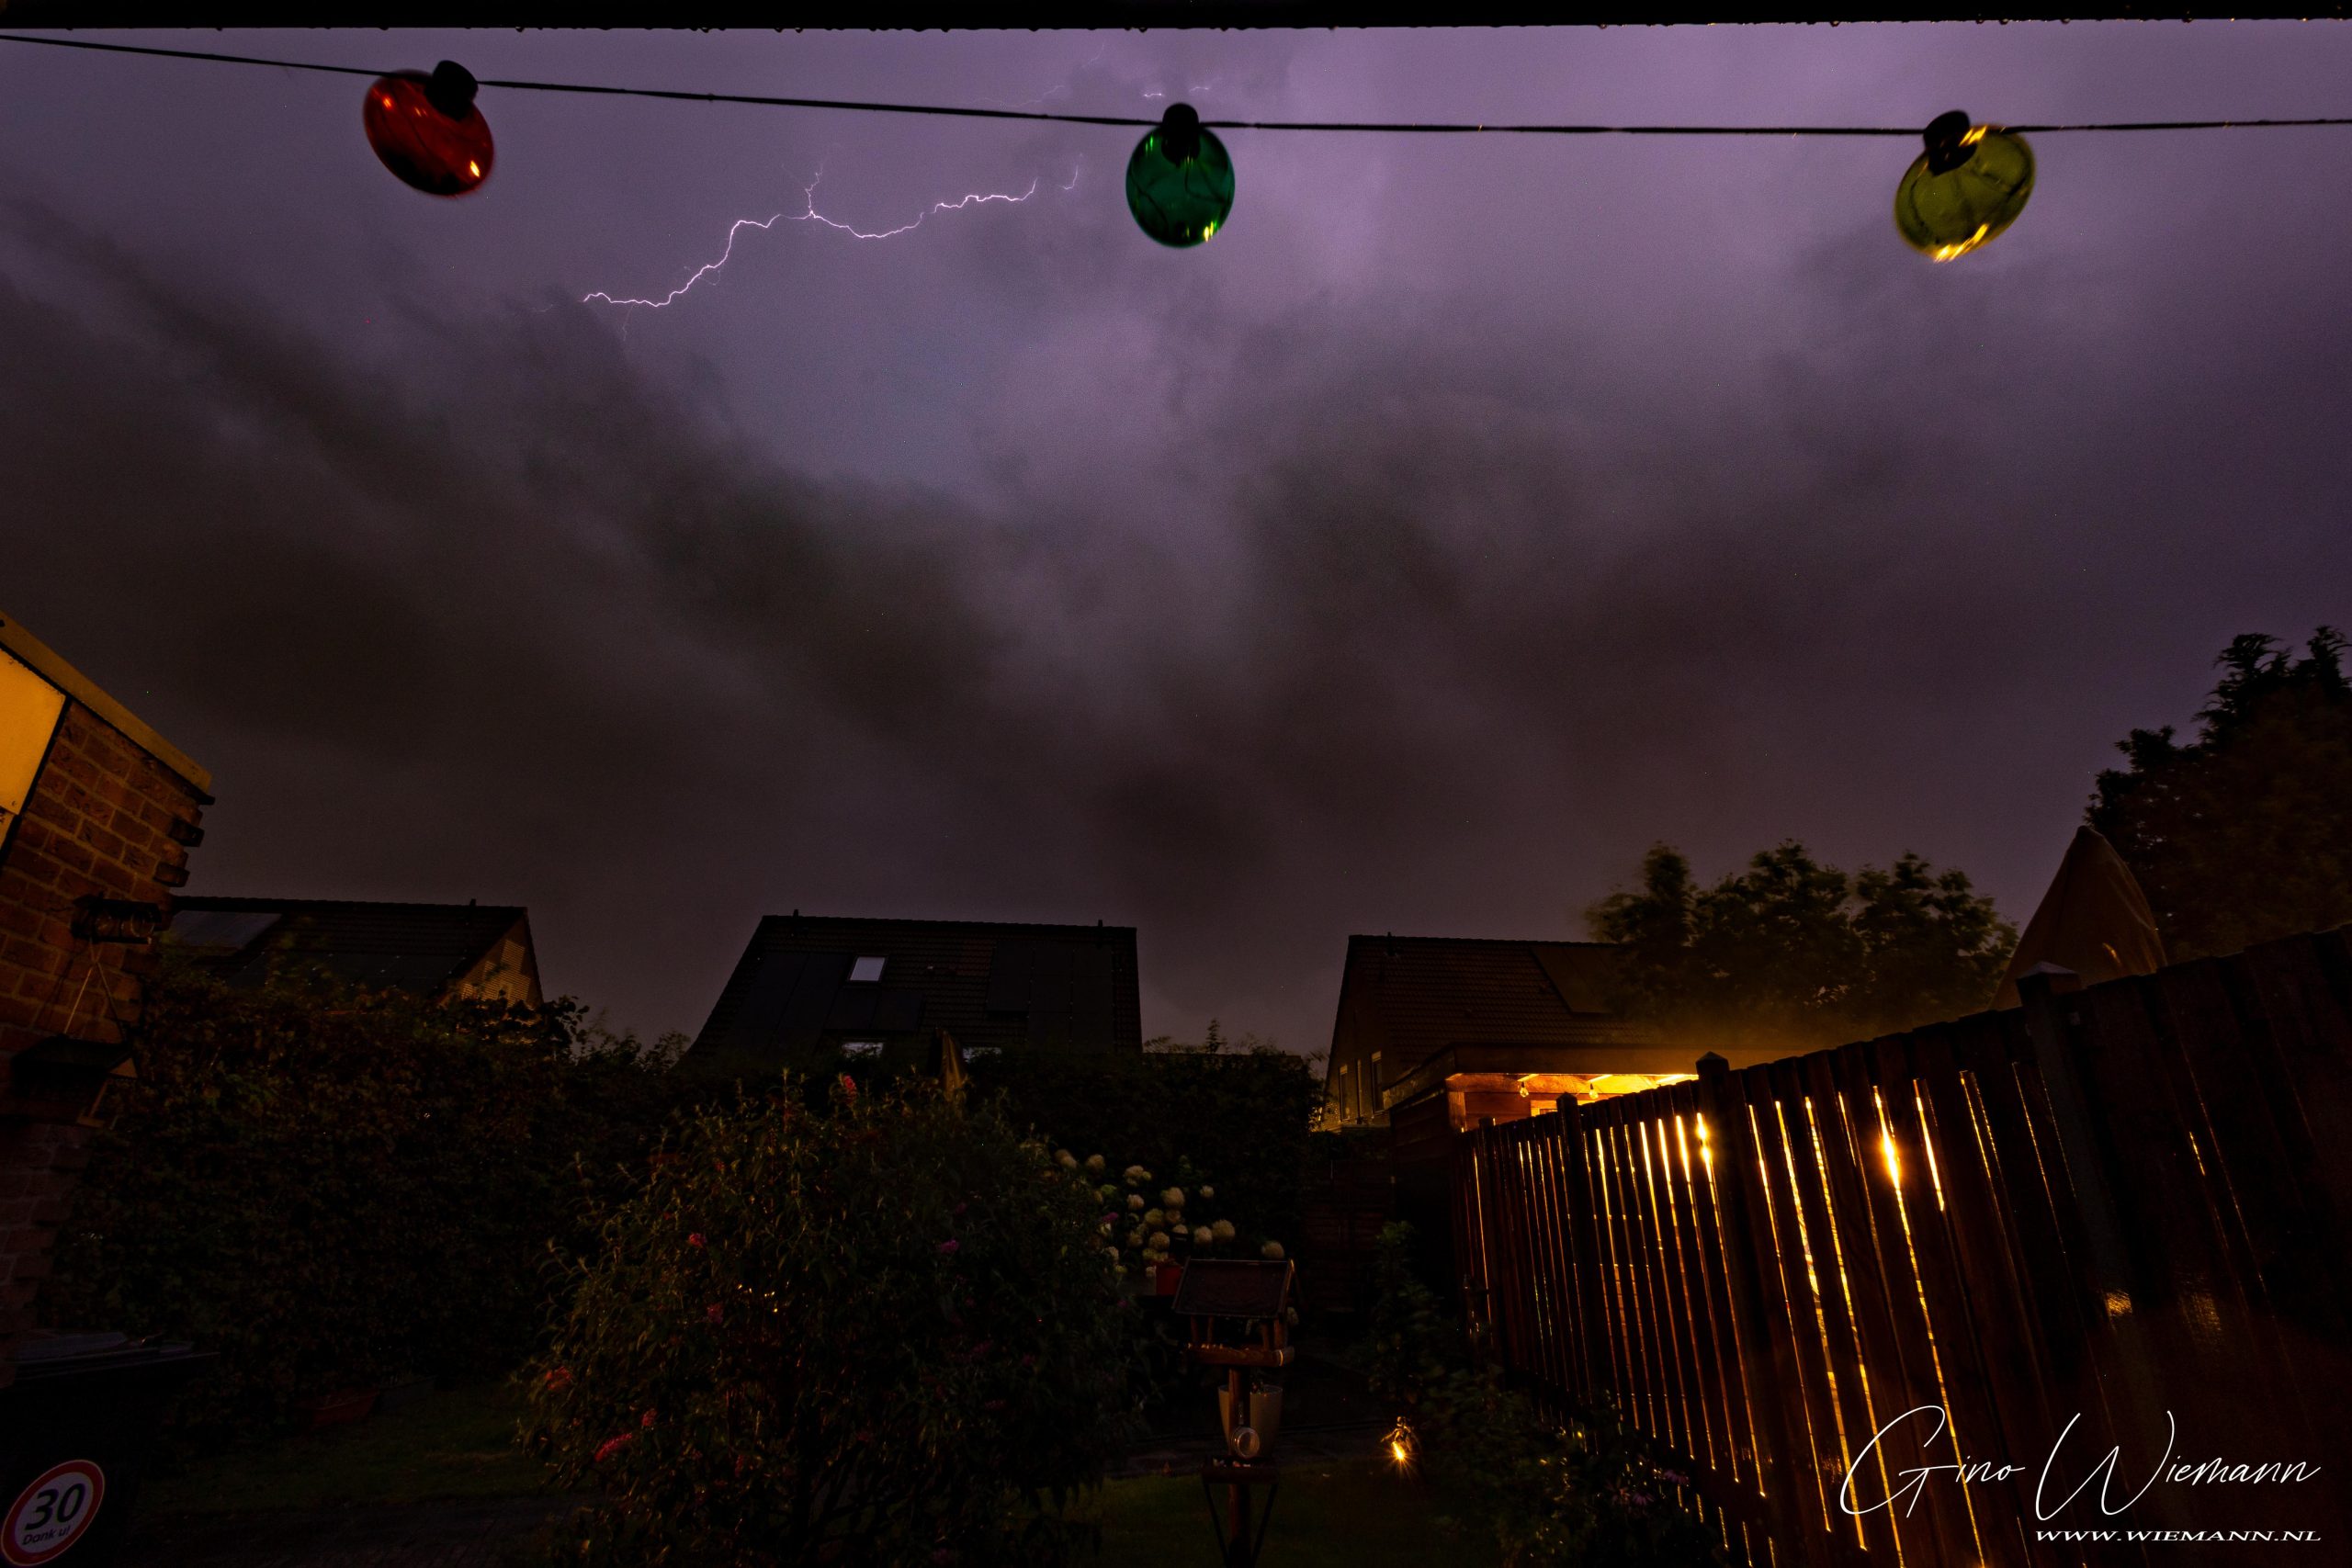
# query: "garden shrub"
[327,1187]
[1585,1489]
[1239,1117]
[884,1331]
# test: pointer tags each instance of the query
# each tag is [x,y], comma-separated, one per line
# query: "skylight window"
[862,1047]
[866,969]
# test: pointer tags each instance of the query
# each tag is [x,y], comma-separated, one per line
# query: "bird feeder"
[1236,1313]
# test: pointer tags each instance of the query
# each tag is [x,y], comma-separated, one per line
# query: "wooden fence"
[2125,1204]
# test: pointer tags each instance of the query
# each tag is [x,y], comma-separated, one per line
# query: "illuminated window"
[29,709]
[866,969]
[860,1047]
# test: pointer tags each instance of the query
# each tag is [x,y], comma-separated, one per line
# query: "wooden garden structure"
[2123,1206]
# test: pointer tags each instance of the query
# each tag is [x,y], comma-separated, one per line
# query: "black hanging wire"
[1399,127]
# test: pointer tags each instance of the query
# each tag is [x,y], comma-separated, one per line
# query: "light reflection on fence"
[2128,1202]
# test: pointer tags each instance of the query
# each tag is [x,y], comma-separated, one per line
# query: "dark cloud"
[1407,560]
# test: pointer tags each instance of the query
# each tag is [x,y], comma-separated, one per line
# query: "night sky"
[1468,516]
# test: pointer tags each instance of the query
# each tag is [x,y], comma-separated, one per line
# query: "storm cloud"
[1457,524]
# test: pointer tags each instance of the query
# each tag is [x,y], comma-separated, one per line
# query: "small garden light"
[1404,1448]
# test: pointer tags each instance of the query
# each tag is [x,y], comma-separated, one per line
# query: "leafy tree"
[886,1332]
[2244,833]
[1790,949]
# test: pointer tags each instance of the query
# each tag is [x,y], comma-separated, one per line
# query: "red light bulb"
[426,129]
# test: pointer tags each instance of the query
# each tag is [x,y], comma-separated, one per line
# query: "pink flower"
[645,1419]
[714,1313]
[849,1086]
[694,1240]
[992,1405]
[559,1378]
[950,1247]
[613,1446]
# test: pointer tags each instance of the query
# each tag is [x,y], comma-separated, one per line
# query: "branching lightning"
[808,214]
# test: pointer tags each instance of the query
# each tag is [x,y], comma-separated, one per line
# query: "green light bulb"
[1180,182]
[1969,184]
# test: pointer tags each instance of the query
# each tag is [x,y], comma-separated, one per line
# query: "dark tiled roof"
[1410,998]
[791,998]
[418,947]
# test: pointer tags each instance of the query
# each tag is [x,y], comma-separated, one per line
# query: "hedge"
[328,1187]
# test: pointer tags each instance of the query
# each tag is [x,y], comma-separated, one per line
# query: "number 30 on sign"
[52,1513]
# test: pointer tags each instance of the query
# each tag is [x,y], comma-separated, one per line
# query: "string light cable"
[1965,188]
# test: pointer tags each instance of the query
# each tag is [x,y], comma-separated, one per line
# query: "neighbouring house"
[813,991]
[438,950]
[97,813]
[1463,1030]
[1436,1035]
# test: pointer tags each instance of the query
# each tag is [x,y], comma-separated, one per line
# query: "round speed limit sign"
[52,1513]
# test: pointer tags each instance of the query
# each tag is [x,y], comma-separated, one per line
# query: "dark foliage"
[886,1332]
[1793,951]
[1583,1490]
[327,1187]
[1238,1117]
[2244,833]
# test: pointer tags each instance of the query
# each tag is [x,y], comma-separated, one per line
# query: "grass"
[1339,1514]
[459,1443]
[1335,1514]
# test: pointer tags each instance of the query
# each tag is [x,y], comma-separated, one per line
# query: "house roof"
[416,947]
[1411,997]
[798,986]
[44,661]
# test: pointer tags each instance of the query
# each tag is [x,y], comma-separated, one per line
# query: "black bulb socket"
[451,89]
[1179,133]
[1946,149]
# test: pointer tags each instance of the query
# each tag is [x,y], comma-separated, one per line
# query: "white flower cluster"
[1151,1232]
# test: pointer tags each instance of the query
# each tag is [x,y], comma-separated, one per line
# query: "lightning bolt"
[808,214]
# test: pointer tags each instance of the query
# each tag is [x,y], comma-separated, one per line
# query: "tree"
[2244,833]
[1793,951]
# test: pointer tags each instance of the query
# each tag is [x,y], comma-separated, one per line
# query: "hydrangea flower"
[1094,1163]
[1203,1236]
[1206,1190]
[1066,1159]
[1153,1216]
[1173,1198]
[1271,1249]
[1222,1230]
[1134,1200]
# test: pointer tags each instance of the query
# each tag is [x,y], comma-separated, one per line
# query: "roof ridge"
[919,920]
[1480,941]
[224,901]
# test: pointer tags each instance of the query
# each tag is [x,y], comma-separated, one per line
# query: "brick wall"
[111,815]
